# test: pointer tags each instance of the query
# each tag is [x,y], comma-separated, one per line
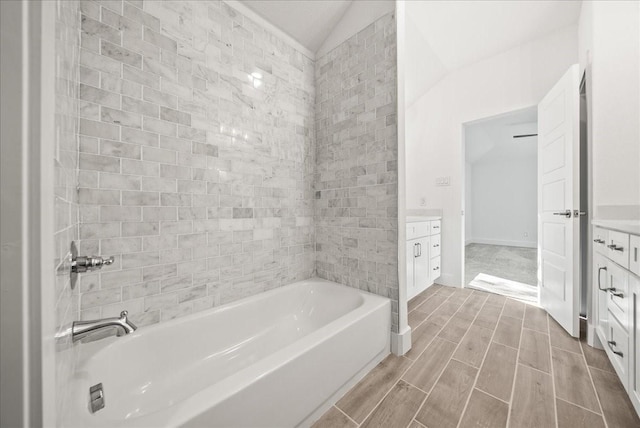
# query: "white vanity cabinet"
[423,253]
[616,291]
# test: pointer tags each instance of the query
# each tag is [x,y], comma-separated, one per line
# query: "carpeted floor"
[512,263]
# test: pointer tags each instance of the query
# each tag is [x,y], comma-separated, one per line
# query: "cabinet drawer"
[618,296]
[618,248]
[435,227]
[600,239]
[634,254]
[434,267]
[617,348]
[435,245]
[417,229]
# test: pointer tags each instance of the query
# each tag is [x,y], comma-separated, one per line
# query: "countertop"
[628,226]
[413,218]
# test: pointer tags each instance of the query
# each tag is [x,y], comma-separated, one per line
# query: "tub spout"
[120,325]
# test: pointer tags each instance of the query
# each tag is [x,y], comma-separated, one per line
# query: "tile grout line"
[438,332]
[515,373]
[348,417]
[578,405]
[386,393]
[595,391]
[551,370]
[440,375]
[484,357]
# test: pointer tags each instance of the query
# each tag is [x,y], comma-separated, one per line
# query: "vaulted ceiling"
[443,36]
[307,21]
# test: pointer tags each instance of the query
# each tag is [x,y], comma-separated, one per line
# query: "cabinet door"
[412,251]
[422,265]
[634,254]
[634,384]
[601,281]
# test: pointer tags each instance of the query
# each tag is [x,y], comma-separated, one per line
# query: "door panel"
[558,191]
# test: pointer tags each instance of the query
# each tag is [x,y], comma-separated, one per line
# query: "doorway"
[500,199]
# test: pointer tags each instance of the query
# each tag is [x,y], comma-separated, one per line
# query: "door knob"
[566,213]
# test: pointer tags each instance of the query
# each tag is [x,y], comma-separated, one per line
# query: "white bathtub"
[277,359]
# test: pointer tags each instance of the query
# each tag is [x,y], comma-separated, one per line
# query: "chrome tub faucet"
[117,325]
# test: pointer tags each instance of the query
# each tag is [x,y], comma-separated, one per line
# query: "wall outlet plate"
[443,181]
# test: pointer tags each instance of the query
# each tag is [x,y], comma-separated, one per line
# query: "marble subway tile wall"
[67,56]
[357,152]
[196,158]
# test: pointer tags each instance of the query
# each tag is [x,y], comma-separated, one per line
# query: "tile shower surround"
[356,163]
[197,165]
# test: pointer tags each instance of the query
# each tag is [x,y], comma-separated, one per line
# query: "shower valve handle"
[80,264]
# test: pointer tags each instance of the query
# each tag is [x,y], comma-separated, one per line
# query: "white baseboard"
[526,244]
[401,342]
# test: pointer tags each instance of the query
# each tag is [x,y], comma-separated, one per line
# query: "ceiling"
[492,139]
[307,21]
[443,36]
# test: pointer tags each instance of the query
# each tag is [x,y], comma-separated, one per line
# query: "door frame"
[27,275]
[464,190]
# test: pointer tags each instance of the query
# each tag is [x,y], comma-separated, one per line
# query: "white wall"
[513,80]
[503,194]
[610,41]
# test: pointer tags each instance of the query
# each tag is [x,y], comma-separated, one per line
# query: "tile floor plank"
[596,358]
[571,416]
[473,346]
[334,418]
[431,363]
[363,397]
[497,372]
[416,318]
[572,380]
[616,405]
[496,299]
[421,337]
[508,331]
[513,309]
[532,404]
[415,302]
[445,404]
[561,339]
[534,350]
[432,303]
[488,316]
[455,329]
[397,409]
[484,411]
[536,319]
[443,314]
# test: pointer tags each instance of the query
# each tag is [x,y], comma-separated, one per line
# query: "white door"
[558,197]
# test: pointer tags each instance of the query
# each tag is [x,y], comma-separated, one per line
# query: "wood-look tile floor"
[482,360]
